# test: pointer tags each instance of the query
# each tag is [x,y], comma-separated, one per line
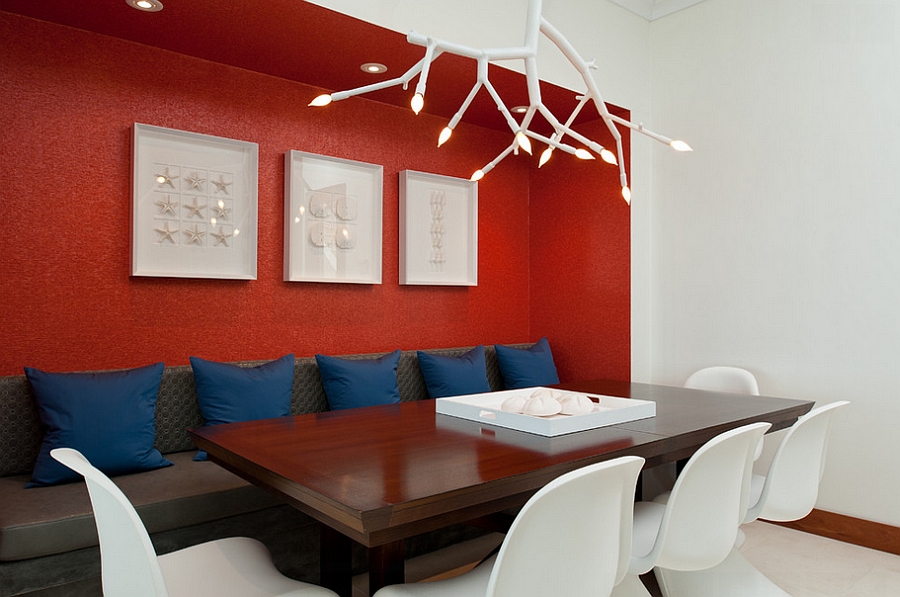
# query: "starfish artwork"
[195,181]
[522,133]
[166,234]
[166,178]
[221,185]
[221,210]
[196,210]
[167,206]
[195,235]
[221,237]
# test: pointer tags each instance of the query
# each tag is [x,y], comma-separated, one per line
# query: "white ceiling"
[655,9]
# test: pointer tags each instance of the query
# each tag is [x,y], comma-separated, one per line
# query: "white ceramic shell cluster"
[546,403]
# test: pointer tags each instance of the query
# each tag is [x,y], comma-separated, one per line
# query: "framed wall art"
[332,219]
[438,230]
[194,205]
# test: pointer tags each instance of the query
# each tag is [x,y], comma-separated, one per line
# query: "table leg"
[335,566]
[386,565]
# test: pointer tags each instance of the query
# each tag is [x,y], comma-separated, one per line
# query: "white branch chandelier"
[535,25]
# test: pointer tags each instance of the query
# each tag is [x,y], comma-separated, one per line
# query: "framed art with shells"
[332,219]
[194,205]
[438,230]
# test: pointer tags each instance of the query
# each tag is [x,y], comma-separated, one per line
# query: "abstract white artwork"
[438,230]
[332,219]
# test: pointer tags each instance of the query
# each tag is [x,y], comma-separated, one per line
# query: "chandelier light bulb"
[445,134]
[626,194]
[545,156]
[680,146]
[417,103]
[609,157]
[583,154]
[478,175]
[524,142]
[322,100]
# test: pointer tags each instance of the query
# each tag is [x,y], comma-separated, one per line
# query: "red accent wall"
[580,239]
[68,101]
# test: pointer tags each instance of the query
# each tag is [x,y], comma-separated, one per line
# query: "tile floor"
[802,564]
[807,565]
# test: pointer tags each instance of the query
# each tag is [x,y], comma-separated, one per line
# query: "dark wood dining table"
[378,475]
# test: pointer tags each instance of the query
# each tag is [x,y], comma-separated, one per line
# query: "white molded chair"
[787,492]
[572,538]
[237,566]
[695,525]
[724,379]
[790,488]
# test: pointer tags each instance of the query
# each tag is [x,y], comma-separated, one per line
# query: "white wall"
[776,244]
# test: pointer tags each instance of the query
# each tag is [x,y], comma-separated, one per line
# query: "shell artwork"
[576,404]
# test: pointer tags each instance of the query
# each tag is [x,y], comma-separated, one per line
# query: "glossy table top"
[384,473]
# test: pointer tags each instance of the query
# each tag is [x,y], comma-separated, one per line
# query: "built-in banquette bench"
[48,541]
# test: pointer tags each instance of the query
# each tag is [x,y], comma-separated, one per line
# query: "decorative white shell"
[576,404]
[514,404]
[547,393]
[542,406]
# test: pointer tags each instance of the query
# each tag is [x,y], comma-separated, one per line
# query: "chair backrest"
[573,537]
[128,561]
[792,483]
[723,379]
[707,503]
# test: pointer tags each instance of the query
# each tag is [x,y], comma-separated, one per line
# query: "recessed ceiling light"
[145,5]
[373,67]
[519,109]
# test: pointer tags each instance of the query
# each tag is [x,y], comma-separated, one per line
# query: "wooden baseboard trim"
[857,531]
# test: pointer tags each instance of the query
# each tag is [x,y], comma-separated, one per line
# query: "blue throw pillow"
[228,393]
[109,417]
[350,383]
[527,368]
[454,376]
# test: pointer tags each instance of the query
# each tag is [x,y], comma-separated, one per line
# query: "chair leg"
[631,586]
[734,577]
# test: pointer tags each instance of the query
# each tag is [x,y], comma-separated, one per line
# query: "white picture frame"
[332,219]
[194,205]
[438,230]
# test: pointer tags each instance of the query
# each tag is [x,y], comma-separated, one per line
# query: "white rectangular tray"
[485,408]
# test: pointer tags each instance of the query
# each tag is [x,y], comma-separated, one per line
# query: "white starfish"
[221,237]
[195,181]
[167,206]
[221,210]
[166,233]
[166,178]
[195,235]
[196,210]
[221,185]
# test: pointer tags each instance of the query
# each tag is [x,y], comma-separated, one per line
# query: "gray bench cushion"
[42,521]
